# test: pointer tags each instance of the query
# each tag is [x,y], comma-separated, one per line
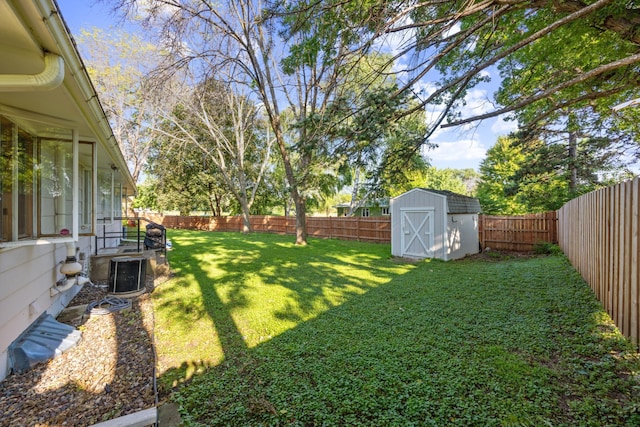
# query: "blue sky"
[463,147]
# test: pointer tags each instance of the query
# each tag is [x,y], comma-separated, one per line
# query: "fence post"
[330,228]
[481,226]
[552,226]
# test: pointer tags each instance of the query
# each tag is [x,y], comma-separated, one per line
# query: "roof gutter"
[49,78]
[51,17]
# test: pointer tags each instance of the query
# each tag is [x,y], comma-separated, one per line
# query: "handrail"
[122,233]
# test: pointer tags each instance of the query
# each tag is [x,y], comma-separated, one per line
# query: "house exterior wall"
[462,235]
[65,120]
[373,211]
[420,200]
[27,274]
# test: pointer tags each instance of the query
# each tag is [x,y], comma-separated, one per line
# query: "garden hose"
[108,305]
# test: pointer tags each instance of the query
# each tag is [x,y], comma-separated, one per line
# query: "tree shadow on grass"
[427,344]
[108,374]
[228,274]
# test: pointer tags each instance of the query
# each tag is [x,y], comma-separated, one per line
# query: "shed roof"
[458,203]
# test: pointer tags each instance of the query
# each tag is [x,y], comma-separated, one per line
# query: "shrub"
[546,248]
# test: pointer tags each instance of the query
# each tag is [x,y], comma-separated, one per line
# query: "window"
[365,211]
[16,182]
[385,211]
[105,196]
[37,185]
[56,187]
[86,201]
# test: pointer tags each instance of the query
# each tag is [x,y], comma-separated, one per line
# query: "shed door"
[417,233]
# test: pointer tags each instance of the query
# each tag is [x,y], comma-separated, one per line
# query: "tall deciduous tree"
[224,127]
[554,56]
[236,33]
[184,178]
[118,63]
[497,186]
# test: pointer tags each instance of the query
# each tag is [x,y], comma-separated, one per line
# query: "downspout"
[49,78]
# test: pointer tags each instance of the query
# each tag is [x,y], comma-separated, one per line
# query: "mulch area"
[110,373]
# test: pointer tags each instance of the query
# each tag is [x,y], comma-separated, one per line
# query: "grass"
[255,331]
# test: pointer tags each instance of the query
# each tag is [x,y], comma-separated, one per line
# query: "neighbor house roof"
[458,203]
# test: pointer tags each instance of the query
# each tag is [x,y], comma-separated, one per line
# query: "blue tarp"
[45,339]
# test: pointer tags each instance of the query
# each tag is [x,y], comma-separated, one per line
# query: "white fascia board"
[88,101]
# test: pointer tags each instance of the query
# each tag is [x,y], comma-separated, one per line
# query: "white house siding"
[28,273]
[66,110]
[462,235]
[419,199]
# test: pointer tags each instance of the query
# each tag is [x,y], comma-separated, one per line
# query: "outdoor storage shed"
[434,224]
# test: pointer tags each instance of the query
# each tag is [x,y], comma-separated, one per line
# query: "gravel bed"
[109,373]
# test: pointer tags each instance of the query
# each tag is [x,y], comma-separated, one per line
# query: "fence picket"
[599,234]
[370,229]
[517,233]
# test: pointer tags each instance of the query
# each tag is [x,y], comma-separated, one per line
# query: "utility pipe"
[49,78]
[71,269]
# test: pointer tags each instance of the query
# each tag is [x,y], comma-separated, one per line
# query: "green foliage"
[569,51]
[589,50]
[456,180]
[184,178]
[461,181]
[147,196]
[353,337]
[529,175]
[546,248]
[497,179]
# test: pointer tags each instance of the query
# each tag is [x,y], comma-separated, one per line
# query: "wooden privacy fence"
[366,229]
[517,233]
[513,233]
[599,234]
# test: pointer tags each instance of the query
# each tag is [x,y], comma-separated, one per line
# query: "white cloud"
[477,102]
[455,29]
[503,127]
[463,149]
[424,88]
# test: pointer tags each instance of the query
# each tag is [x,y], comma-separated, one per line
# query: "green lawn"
[256,331]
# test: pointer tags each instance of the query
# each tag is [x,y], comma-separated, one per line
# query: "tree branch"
[527,101]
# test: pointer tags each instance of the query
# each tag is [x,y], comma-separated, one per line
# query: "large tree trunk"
[301,221]
[246,217]
[573,159]
[298,200]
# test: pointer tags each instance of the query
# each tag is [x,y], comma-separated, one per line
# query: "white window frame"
[37,238]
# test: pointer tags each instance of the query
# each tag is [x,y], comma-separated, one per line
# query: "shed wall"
[419,199]
[463,239]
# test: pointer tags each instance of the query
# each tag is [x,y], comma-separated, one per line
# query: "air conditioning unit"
[127,275]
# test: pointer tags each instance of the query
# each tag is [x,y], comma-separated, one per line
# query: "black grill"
[155,236]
